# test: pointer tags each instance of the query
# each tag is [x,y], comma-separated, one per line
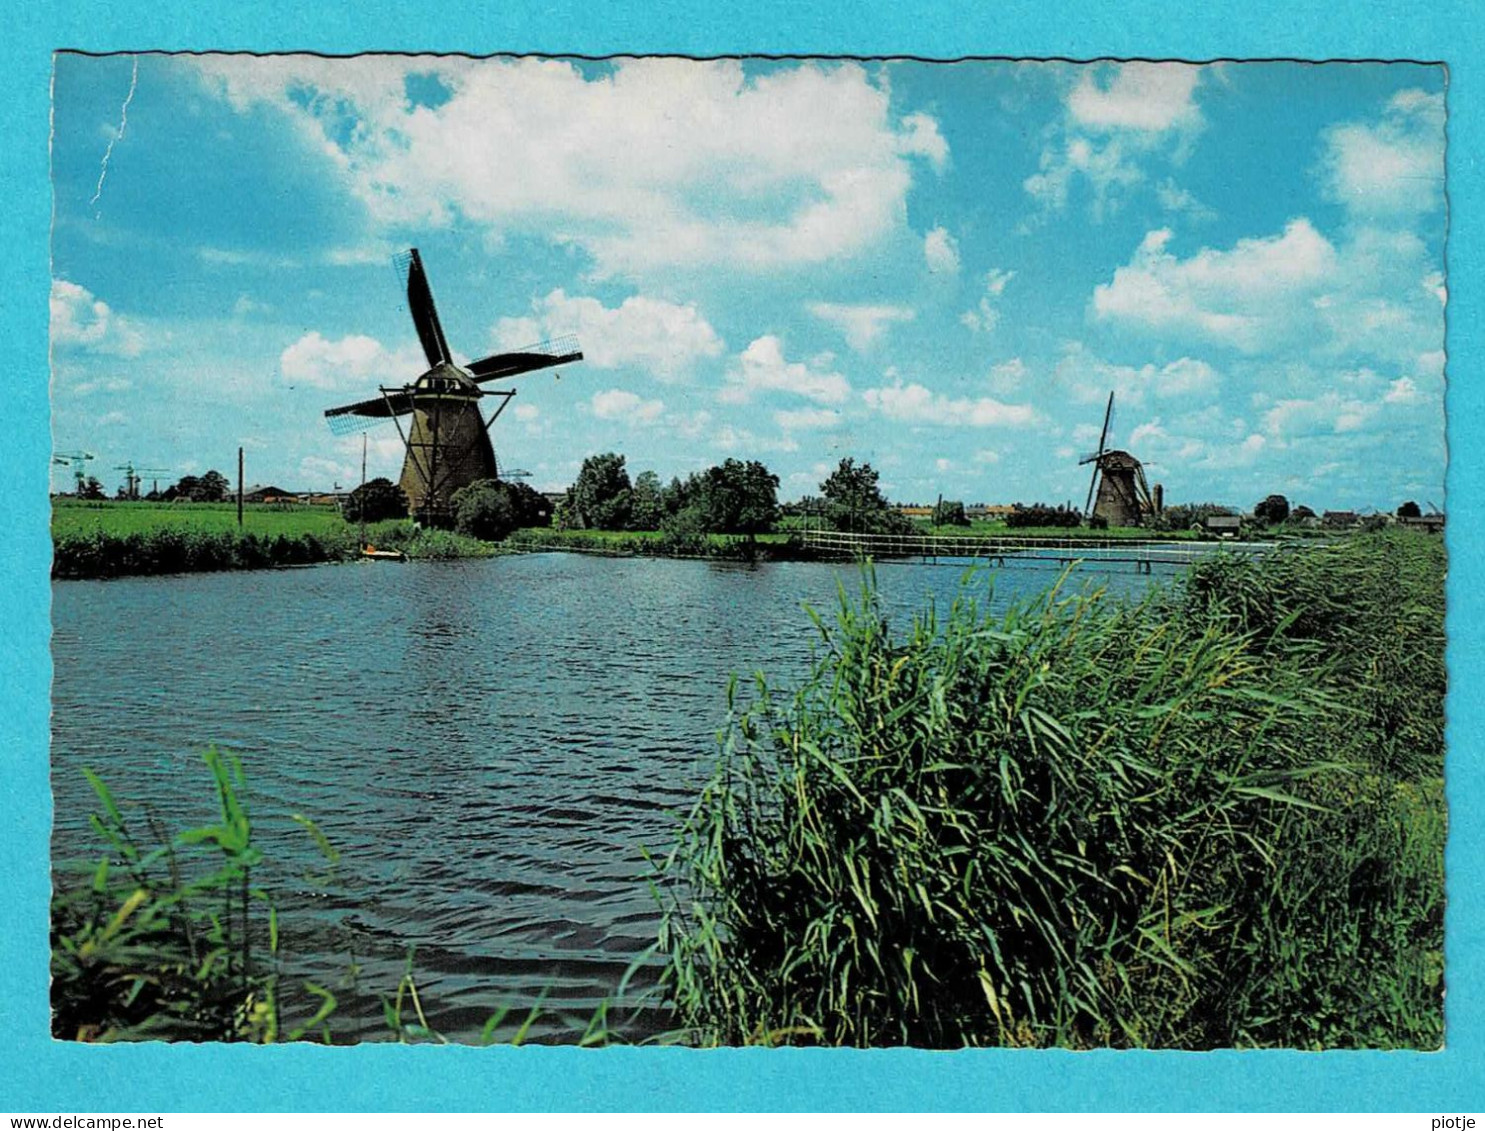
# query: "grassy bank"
[1212,819]
[659,544]
[119,539]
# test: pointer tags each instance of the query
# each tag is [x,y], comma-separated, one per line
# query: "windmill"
[448,438]
[1124,497]
[76,461]
[134,475]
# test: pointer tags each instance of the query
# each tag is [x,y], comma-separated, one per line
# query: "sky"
[942,269]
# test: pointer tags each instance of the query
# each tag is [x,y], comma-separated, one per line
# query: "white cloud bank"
[647,163]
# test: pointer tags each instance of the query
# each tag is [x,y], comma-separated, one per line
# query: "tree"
[648,502]
[739,498]
[602,497]
[485,509]
[374,501]
[949,512]
[1409,509]
[853,499]
[213,488]
[91,489]
[1272,511]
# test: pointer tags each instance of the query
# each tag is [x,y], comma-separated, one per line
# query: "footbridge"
[1010,550]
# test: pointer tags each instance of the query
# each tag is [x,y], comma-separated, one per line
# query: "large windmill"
[1124,497]
[448,437]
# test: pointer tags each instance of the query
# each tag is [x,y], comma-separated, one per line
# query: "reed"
[170,937]
[1211,819]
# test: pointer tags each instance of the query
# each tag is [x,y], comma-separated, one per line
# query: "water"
[491,745]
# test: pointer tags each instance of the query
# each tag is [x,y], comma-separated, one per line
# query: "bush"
[1038,514]
[486,510]
[375,501]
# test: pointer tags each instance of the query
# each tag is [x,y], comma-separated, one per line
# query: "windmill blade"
[420,304]
[543,355]
[1103,437]
[368,413]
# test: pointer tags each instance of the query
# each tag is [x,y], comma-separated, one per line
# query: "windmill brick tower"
[448,437]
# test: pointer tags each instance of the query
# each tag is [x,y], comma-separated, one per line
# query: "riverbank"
[120,539]
[92,540]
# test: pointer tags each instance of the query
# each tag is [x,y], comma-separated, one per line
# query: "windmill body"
[446,434]
[448,441]
[1123,493]
[1118,493]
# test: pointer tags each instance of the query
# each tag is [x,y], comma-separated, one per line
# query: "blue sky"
[939,268]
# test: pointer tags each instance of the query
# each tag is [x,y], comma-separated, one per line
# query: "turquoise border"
[41,1076]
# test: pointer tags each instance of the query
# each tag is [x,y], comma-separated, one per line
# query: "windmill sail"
[527,359]
[409,265]
[364,414]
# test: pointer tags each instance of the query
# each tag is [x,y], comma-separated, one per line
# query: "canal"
[491,745]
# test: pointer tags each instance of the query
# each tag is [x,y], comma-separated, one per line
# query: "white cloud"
[81,321]
[527,412]
[916,404]
[1117,116]
[730,438]
[1142,97]
[807,419]
[941,251]
[1240,297]
[665,339]
[1088,379]
[347,362]
[762,367]
[1393,167]
[652,163]
[985,317]
[621,404]
[1008,376]
[862,325]
[1173,198]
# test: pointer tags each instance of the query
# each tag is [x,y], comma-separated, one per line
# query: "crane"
[133,475]
[74,460]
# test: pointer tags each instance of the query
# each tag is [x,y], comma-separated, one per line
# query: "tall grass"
[1214,818]
[169,937]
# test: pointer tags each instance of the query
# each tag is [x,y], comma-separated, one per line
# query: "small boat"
[373,554]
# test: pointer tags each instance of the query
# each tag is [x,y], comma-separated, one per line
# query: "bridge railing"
[1069,548]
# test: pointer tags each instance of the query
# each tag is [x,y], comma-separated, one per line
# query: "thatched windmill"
[448,439]
[1124,497]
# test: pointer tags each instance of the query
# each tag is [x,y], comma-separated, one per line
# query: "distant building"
[1341,520]
[912,510]
[1223,525]
[1430,523]
[991,512]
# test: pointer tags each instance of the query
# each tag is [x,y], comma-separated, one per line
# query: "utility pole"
[361,508]
[239,488]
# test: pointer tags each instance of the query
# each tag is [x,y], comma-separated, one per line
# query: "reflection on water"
[490,744]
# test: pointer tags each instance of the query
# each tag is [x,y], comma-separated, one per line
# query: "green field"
[73,517]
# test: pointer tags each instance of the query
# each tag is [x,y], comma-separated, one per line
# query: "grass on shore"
[1211,819]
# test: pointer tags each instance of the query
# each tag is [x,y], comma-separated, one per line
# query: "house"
[1428,523]
[1223,525]
[1341,520]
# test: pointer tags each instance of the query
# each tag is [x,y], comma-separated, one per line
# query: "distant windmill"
[76,461]
[448,439]
[1124,497]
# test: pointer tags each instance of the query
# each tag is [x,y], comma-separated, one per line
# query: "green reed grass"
[1213,818]
[170,937]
